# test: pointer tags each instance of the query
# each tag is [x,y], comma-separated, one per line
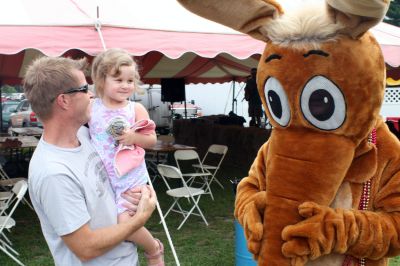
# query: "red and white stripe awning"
[167,40]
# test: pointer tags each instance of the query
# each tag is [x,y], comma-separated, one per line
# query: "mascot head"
[321,70]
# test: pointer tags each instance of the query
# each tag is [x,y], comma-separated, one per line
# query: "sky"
[217,98]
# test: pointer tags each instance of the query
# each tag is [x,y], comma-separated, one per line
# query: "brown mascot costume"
[325,188]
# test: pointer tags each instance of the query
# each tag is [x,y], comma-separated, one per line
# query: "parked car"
[24,116]
[8,107]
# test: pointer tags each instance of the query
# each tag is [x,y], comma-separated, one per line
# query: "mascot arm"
[251,200]
[362,234]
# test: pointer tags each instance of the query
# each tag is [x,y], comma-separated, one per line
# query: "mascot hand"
[315,236]
[252,221]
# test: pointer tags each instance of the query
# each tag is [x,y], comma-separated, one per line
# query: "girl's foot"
[157,258]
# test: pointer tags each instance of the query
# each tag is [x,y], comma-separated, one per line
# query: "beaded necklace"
[363,205]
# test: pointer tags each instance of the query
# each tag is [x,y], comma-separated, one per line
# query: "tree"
[8,89]
[393,15]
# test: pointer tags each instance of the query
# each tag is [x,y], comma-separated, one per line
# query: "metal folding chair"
[182,157]
[7,222]
[192,194]
[6,183]
[212,161]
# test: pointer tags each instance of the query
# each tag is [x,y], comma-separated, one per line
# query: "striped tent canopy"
[166,40]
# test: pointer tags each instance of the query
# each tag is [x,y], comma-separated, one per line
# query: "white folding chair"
[191,173]
[212,161]
[192,194]
[6,182]
[7,222]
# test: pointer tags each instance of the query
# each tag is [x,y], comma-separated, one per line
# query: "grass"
[195,243]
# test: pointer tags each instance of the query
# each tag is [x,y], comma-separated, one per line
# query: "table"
[162,147]
[18,150]
[26,131]
[26,141]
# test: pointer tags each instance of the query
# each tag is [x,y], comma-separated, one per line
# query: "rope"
[165,227]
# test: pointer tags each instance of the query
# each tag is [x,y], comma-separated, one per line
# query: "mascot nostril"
[325,188]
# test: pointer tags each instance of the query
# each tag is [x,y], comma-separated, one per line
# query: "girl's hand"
[127,138]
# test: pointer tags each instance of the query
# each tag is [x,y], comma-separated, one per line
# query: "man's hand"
[147,203]
[132,197]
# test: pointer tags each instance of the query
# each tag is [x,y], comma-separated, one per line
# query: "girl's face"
[118,88]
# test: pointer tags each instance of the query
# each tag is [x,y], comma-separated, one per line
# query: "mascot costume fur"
[325,188]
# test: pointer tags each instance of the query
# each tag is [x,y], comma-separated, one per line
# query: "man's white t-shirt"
[69,188]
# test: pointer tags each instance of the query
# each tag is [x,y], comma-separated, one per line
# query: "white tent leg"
[166,229]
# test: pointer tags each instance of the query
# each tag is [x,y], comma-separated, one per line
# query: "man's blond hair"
[48,77]
[110,62]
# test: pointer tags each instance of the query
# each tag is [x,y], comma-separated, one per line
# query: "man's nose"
[91,94]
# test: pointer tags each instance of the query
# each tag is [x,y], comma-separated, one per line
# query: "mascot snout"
[312,165]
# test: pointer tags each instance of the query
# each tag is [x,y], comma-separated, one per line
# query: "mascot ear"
[247,16]
[357,16]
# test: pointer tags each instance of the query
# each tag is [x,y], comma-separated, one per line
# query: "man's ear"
[357,16]
[62,101]
[246,16]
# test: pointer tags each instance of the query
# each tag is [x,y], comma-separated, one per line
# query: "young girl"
[116,78]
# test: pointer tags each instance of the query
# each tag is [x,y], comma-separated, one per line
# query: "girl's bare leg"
[145,240]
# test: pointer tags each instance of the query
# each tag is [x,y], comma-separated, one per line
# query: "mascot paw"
[253,228]
[312,237]
[299,261]
[296,249]
[309,209]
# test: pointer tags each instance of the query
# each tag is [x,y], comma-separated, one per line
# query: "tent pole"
[165,226]
[185,104]
[97,25]
[233,95]
[1,106]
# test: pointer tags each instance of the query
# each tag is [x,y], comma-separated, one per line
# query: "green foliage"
[394,261]
[393,15]
[195,243]
[8,89]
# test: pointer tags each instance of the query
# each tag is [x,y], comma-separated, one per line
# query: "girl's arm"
[130,137]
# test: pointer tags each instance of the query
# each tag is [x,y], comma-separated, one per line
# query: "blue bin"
[242,255]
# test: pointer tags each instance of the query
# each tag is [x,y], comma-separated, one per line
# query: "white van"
[159,112]
[162,113]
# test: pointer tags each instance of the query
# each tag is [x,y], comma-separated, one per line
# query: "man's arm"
[87,244]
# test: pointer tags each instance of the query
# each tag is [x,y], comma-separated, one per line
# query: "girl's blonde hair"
[110,62]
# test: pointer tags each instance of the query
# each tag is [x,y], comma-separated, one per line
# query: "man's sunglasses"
[84,89]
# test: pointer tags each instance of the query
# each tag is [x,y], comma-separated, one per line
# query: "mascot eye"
[277,101]
[323,104]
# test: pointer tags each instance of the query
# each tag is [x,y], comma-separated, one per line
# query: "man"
[68,184]
[251,95]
